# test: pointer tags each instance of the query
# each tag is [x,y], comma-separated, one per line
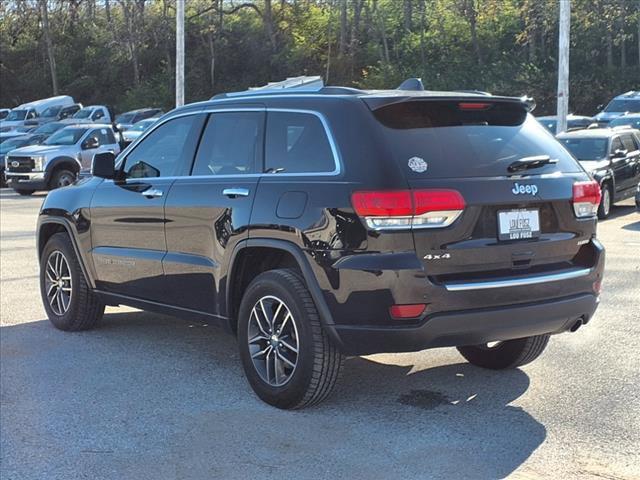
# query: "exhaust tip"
[577,325]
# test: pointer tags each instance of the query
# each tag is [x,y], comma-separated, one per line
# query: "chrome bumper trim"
[517,282]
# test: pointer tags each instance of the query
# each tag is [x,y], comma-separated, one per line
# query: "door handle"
[152,193]
[236,192]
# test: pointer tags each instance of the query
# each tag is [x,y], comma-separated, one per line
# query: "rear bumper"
[471,327]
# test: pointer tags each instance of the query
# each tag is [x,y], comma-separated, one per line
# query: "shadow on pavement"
[620,211]
[149,396]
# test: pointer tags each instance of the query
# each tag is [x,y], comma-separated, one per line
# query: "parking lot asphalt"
[152,397]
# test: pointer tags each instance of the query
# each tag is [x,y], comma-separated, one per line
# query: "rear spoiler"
[383,99]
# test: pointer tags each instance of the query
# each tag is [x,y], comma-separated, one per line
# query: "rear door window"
[297,143]
[616,144]
[231,144]
[629,143]
[443,139]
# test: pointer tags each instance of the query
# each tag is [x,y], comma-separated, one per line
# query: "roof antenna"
[411,84]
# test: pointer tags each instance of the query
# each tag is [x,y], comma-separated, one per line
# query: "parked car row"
[46,144]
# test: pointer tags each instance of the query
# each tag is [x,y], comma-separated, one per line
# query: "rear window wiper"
[531,162]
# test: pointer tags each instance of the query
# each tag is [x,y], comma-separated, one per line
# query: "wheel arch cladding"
[280,254]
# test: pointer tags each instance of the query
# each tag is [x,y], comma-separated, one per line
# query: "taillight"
[406,209]
[586,198]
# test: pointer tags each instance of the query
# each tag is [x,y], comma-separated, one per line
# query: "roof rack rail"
[299,84]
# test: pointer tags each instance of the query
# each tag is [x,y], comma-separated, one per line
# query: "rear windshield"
[439,140]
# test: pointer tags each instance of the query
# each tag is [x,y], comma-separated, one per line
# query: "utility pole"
[179,53]
[563,66]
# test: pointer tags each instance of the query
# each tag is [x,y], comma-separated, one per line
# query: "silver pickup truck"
[60,159]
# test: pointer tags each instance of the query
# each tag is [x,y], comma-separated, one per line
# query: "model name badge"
[524,189]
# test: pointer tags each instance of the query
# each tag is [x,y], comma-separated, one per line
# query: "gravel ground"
[152,397]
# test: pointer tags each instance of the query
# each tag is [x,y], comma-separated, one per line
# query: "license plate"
[518,224]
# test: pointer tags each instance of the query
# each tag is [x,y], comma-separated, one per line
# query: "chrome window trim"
[517,282]
[325,124]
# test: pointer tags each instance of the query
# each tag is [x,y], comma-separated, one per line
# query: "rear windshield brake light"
[473,106]
[407,209]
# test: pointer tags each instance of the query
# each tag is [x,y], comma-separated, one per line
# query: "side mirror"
[103,165]
[91,142]
[619,154]
[600,107]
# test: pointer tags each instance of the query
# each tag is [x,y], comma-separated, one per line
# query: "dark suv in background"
[317,222]
[612,156]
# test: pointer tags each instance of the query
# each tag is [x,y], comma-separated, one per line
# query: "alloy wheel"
[273,340]
[64,180]
[606,201]
[58,283]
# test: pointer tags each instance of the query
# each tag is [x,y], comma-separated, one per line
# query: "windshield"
[454,142]
[623,106]
[12,143]
[634,121]
[125,118]
[549,124]
[15,115]
[51,111]
[66,136]
[49,128]
[84,113]
[142,125]
[586,148]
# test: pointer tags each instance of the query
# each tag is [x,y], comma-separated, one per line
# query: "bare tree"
[469,10]
[44,12]
[133,12]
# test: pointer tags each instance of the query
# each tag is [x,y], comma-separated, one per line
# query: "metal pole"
[563,65]
[179,53]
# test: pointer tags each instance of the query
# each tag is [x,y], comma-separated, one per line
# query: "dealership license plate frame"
[526,226]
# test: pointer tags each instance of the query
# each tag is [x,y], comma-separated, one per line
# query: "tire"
[82,309]
[61,178]
[317,364]
[507,354]
[24,193]
[604,209]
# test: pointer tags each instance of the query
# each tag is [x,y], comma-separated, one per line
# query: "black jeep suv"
[319,223]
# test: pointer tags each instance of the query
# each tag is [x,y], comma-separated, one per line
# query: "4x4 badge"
[441,256]
[418,164]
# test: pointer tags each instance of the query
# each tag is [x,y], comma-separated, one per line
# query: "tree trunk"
[267,19]
[423,27]
[342,45]
[383,34]
[472,17]
[609,48]
[107,10]
[47,40]
[408,15]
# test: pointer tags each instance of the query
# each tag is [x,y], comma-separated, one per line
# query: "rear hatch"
[516,180]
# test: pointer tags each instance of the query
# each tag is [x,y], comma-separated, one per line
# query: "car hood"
[11,134]
[594,165]
[39,149]
[11,123]
[76,121]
